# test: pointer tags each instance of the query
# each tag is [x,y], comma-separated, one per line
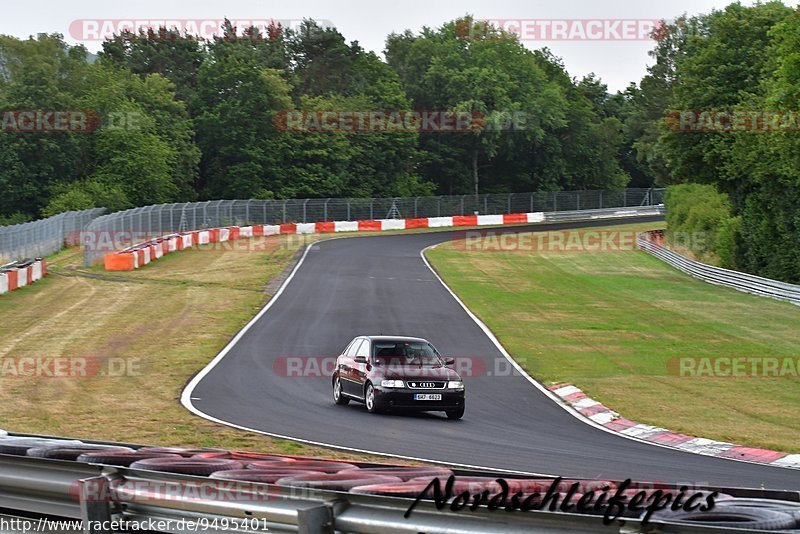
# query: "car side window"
[348,348]
[363,350]
[351,351]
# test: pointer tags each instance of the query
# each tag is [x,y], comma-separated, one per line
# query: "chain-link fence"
[125,228]
[40,238]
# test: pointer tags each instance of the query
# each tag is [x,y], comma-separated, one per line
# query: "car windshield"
[398,352]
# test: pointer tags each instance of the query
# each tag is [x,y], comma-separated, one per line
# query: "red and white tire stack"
[13,277]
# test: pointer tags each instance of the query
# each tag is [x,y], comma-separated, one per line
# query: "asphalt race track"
[380,285]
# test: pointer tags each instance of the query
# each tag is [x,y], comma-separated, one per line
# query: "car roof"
[395,338]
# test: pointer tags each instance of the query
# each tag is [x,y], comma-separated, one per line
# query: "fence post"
[578,199]
[304,210]
[284,211]
[462,205]
[601,199]
[371,206]
[555,200]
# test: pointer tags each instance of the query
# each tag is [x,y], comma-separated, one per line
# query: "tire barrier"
[313,465]
[610,419]
[45,486]
[72,452]
[122,459]
[407,473]
[186,453]
[187,466]
[262,476]
[740,513]
[22,273]
[248,457]
[342,481]
[19,446]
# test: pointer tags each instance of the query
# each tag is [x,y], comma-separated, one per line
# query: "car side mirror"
[449,361]
[361,359]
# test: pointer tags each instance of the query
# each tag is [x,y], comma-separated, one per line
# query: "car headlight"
[455,384]
[392,384]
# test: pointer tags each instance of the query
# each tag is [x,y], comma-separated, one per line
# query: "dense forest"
[180,119]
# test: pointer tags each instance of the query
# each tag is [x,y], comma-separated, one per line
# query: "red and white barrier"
[17,277]
[142,254]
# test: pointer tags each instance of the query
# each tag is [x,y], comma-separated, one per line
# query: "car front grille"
[426,384]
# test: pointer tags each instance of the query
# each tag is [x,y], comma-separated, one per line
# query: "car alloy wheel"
[338,396]
[369,398]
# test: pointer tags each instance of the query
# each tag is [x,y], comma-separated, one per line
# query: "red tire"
[248,457]
[311,465]
[408,473]
[186,453]
[342,481]
[261,476]
[188,466]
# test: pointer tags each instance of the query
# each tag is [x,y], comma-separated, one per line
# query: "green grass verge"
[610,323]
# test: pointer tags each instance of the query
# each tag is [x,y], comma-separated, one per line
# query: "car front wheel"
[338,396]
[458,413]
[373,405]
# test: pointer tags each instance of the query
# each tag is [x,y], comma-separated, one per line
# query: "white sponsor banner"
[37,271]
[535,217]
[204,238]
[22,277]
[393,224]
[187,240]
[485,220]
[306,228]
[159,250]
[346,226]
[272,229]
[224,234]
[438,222]
[3,283]
[246,231]
[146,255]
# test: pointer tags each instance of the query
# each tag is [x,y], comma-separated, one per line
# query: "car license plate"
[427,397]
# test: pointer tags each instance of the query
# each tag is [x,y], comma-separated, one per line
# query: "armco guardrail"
[36,485]
[143,253]
[652,242]
[39,238]
[126,228]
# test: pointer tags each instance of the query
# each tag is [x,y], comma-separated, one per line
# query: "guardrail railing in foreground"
[744,282]
[98,494]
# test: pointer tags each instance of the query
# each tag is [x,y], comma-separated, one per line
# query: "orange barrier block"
[515,218]
[213,235]
[258,230]
[289,228]
[235,232]
[326,227]
[44,267]
[119,262]
[465,220]
[416,223]
[195,238]
[29,268]
[369,226]
[13,280]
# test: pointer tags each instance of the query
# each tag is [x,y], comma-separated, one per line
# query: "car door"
[360,368]
[347,370]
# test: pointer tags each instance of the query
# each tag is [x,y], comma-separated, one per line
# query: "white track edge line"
[555,398]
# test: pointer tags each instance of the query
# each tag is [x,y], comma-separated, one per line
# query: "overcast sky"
[369,21]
